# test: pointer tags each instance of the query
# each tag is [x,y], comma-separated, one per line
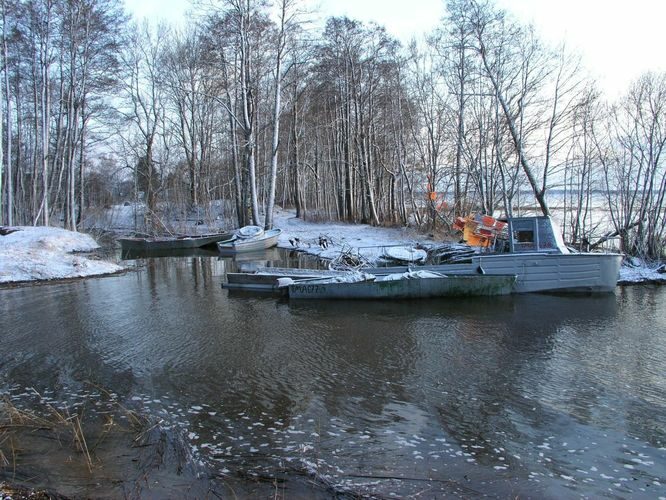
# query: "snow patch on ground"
[328,239]
[44,253]
[641,272]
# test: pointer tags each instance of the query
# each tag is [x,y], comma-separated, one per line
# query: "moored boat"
[238,243]
[250,231]
[266,279]
[410,285]
[172,242]
[532,248]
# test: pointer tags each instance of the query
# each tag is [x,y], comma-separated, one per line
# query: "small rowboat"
[172,242]
[411,285]
[250,231]
[238,244]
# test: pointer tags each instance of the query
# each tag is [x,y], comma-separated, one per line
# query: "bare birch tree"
[287,19]
[144,93]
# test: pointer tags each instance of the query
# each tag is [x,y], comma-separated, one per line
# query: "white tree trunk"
[268,222]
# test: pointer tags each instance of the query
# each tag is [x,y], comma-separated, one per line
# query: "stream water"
[530,395]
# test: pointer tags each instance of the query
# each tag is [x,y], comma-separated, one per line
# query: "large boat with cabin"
[530,248]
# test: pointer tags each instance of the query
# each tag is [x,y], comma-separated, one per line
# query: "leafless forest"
[257,105]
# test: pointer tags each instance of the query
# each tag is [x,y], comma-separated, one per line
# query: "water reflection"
[209,251]
[529,394]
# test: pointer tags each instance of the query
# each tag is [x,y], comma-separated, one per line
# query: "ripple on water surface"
[526,395]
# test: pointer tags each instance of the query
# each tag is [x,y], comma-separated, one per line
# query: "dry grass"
[65,426]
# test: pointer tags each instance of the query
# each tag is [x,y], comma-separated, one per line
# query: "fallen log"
[612,234]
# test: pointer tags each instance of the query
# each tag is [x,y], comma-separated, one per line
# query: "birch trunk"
[277,104]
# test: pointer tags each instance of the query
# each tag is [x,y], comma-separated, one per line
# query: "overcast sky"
[618,39]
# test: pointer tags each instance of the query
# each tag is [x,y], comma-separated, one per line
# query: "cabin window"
[524,240]
[546,236]
[523,236]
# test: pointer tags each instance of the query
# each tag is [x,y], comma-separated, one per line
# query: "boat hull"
[543,272]
[419,288]
[174,243]
[266,280]
[237,245]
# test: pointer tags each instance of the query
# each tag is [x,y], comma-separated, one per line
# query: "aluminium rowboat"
[238,244]
[172,242]
[410,285]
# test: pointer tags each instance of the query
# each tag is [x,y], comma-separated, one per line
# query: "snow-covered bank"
[45,253]
[328,239]
[41,253]
[634,273]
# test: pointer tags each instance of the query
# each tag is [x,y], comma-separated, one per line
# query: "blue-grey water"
[532,396]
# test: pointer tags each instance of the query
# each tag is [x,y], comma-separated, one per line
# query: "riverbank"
[32,254]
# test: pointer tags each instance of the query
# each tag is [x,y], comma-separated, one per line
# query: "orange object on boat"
[479,230]
[472,236]
[487,220]
[459,223]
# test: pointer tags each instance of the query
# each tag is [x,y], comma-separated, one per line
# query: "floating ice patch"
[403,442]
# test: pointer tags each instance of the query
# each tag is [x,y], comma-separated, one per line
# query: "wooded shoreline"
[252,105]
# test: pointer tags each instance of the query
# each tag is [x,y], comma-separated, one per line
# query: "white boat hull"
[269,239]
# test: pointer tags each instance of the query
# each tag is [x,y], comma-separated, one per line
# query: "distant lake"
[535,396]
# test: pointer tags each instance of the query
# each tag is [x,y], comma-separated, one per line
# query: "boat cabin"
[513,234]
[534,234]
